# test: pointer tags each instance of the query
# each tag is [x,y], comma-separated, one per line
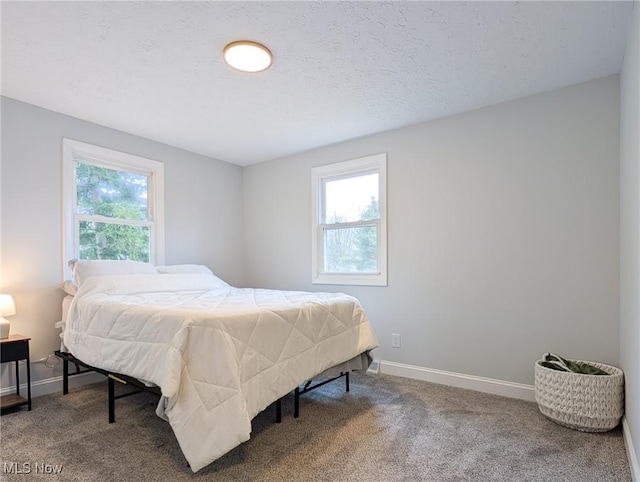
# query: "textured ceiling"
[341,69]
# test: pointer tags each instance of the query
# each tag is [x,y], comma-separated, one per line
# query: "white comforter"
[219,354]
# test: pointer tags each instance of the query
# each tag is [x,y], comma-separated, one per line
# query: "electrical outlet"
[395,340]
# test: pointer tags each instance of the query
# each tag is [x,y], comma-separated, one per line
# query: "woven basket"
[589,403]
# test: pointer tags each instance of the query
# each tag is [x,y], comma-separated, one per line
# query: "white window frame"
[319,176]
[74,152]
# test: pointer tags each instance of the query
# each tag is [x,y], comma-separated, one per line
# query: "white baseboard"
[631,452]
[460,380]
[54,384]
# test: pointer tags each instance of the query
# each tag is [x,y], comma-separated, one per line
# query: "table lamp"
[7,308]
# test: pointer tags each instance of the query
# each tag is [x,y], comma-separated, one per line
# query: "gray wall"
[630,229]
[503,233]
[203,211]
[504,228]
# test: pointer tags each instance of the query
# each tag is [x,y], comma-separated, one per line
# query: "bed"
[219,354]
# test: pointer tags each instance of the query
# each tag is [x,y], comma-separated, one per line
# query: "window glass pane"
[351,250]
[351,199]
[113,241]
[111,193]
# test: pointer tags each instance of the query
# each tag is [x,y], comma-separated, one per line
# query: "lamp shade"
[7,305]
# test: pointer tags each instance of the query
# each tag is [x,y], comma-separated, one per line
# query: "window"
[350,222]
[113,205]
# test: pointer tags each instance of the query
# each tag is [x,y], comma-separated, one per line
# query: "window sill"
[350,279]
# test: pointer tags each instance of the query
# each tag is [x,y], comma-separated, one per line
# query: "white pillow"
[184,269]
[190,269]
[83,269]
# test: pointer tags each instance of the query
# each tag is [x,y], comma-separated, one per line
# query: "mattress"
[220,355]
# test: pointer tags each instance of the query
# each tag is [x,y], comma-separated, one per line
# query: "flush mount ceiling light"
[247,56]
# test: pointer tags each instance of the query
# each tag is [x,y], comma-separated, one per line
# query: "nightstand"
[14,349]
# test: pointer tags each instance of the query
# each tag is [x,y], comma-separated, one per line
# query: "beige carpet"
[385,429]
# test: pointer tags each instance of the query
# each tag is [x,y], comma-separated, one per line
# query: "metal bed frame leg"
[279,410]
[65,377]
[111,381]
[308,388]
[296,402]
[112,400]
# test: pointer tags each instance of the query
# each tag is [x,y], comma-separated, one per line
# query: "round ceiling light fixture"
[247,56]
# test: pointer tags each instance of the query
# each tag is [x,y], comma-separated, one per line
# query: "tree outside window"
[108,193]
